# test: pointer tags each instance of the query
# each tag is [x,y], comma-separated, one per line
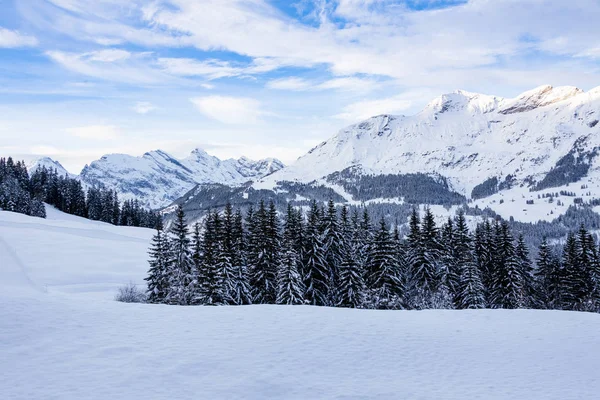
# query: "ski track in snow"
[78,346]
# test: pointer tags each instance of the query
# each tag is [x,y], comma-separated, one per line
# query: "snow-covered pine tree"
[384,279]
[526,271]
[425,259]
[293,229]
[351,285]
[470,288]
[264,257]
[240,290]
[198,271]
[595,275]
[211,287]
[290,286]
[469,291]
[228,255]
[507,278]
[547,277]
[332,241]
[450,269]
[484,257]
[316,277]
[181,285]
[158,274]
[571,279]
[588,256]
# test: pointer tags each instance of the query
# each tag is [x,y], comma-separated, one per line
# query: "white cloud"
[143,107]
[229,110]
[95,132]
[207,86]
[212,69]
[381,38]
[113,65]
[292,83]
[349,83]
[345,83]
[11,39]
[108,55]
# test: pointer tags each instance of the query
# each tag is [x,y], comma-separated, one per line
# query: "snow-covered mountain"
[50,164]
[157,178]
[544,138]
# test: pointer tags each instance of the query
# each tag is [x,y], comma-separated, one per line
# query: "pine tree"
[484,248]
[507,278]
[265,254]
[571,281]
[316,277]
[332,240]
[228,257]
[468,291]
[384,275]
[181,285]
[543,276]
[471,291]
[160,268]
[290,287]
[587,256]
[240,291]
[211,268]
[425,258]
[526,271]
[351,289]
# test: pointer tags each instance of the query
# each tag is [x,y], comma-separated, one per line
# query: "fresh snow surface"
[69,254]
[58,343]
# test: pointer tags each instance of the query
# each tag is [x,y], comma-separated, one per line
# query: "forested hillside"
[26,195]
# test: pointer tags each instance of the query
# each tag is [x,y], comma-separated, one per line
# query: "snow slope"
[62,344]
[466,137]
[69,254]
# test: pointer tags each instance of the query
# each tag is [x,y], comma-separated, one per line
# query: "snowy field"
[62,337]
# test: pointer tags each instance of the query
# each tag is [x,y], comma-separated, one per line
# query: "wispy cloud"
[229,110]
[12,39]
[143,107]
[112,65]
[354,84]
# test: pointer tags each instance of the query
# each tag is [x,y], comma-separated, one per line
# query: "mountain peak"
[539,97]
[49,163]
[460,100]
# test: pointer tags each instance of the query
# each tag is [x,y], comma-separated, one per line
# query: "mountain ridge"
[157,178]
[457,135]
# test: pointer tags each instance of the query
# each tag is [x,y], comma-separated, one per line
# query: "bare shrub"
[130,293]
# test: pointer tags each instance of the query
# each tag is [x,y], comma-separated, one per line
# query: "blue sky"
[82,78]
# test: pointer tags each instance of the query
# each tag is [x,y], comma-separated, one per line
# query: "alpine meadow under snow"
[63,337]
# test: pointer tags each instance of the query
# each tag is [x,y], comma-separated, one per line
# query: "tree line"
[328,256]
[24,194]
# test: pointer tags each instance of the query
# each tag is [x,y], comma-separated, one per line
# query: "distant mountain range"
[529,157]
[157,178]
